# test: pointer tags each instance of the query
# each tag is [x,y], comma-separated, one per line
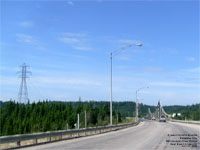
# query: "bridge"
[158,112]
[148,135]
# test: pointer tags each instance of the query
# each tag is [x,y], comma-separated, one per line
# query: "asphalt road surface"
[148,135]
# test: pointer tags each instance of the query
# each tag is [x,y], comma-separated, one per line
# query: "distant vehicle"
[153,118]
[162,119]
[141,119]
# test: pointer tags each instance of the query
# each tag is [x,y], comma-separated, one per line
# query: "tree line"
[189,112]
[44,116]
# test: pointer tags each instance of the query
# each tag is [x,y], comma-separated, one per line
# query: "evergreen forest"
[46,115]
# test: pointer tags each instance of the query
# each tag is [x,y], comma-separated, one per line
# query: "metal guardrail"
[17,139]
[186,121]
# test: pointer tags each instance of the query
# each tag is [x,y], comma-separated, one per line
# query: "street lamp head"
[139,44]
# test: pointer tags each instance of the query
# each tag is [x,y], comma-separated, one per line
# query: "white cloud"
[190,59]
[175,84]
[152,69]
[192,70]
[26,24]
[70,2]
[162,85]
[29,39]
[25,38]
[69,40]
[57,80]
[78,41]
[47,81]
[83,48]
[74,34]
[3,68]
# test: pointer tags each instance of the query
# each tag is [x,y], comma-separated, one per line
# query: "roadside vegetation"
[188,115]
[189,112]
[44,116]
[49,116]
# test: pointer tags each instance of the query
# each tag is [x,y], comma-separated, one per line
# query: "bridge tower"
[159,109]
[149,114]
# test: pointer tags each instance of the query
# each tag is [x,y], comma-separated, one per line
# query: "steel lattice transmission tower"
[23,92]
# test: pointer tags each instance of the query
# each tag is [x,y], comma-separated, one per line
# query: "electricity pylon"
[23,92]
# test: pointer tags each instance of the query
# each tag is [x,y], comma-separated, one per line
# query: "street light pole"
[111,55]
[85,119]
[111,88]
[136,104]
[136,108]
[78,121]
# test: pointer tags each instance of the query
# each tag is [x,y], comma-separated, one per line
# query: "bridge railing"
[23,140]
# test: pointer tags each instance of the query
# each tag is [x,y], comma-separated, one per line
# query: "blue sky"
[67,46]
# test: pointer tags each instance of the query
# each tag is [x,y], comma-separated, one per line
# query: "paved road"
[148,135]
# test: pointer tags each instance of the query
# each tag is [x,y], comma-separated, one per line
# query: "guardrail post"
[49,139]
[60,137]
[78,121]
[36,141]
[18,143]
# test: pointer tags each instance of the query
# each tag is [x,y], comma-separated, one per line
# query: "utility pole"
[78,121]
[85,119]
[23,92]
